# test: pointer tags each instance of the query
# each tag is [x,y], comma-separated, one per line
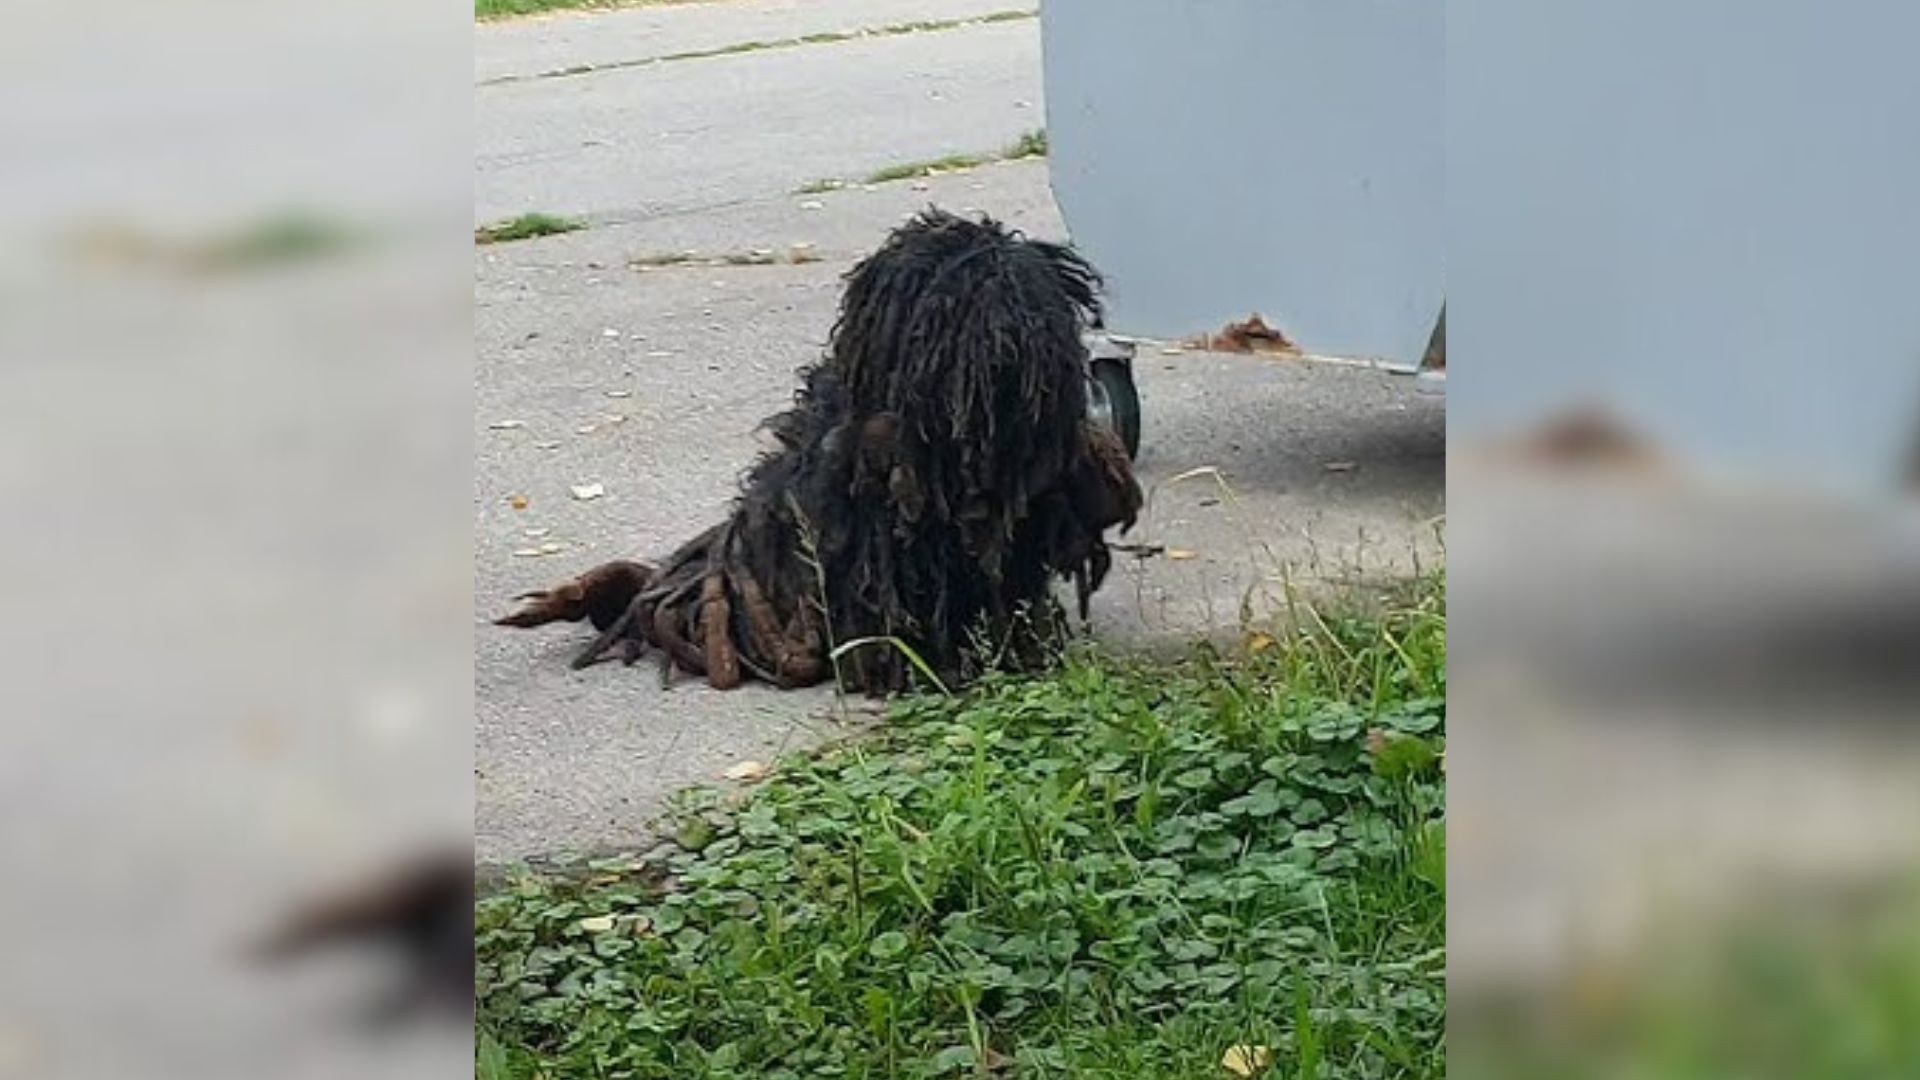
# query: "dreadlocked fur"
[936,472]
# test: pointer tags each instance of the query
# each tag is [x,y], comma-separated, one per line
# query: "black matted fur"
[936,472]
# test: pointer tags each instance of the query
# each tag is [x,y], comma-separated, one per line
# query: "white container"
[1217,158]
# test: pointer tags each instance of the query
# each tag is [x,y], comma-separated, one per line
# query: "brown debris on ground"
[1250,335]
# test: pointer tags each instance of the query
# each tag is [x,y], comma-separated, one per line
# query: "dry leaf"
[1245,1061]
[748,771]
[598,924]
[536,533]
[587,492]
[1376,740]
[507,425]
[619,393]
[518,502]
[551,548]
[1258,643]
[1181,554]
[527,553]
[613,418]
[547,445]
[585,429]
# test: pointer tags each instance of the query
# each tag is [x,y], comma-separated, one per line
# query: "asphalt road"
[1324,475]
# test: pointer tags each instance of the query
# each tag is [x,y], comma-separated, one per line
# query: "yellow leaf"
[1245,1061]
[1258,643]
[599,924]
[1181,554]
[518,502]
[748,771]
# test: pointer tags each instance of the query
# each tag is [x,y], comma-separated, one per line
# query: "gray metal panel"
[1703,212]
[1221,157]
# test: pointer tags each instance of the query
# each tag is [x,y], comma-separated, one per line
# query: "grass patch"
[526,227]
[916,169]
[796,255]
[267,243]
[1801,986]
[1119,869]
[506,9]
[485,10]
[282,239]
[1031,144]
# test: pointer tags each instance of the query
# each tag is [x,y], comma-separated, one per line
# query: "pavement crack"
[830,37]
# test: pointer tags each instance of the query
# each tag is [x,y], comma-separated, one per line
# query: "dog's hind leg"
[601,596]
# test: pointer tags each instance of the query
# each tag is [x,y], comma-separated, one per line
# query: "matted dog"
[936,473]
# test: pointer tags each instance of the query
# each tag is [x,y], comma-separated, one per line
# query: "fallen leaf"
[518,502]
[619,393]
[587,492]
[613,418]
[537,533]
[1339,466]
[748,771]
[1258,643]
[1376,740]
[546,445]
[551,548]
[527,553]
[598,924]
[659,354]
[813,204]
[585,429]
[1181,554]
[507,425]
[1245,1061]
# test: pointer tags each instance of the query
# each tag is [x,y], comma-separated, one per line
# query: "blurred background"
[1685,644]
[234,397]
